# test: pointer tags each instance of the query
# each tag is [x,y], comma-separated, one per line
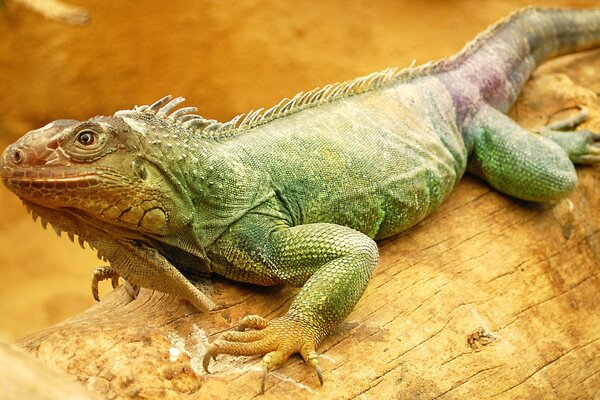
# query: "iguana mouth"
[47,189]
[22,181]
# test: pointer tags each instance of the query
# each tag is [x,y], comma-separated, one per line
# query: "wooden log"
[490,297]
[22,377]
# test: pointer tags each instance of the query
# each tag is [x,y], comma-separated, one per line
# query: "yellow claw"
[101,274]
[270,361]
[206,361]
[277,340]
[263,382]
[311,357]
[319,373]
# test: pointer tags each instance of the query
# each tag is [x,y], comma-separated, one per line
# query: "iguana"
[298,193]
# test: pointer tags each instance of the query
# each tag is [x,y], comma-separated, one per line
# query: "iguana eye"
[86,142]
[86,138]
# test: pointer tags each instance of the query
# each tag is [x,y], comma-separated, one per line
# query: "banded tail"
[494,67]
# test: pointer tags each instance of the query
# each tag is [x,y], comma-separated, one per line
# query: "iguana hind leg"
[143,266]
[520,163]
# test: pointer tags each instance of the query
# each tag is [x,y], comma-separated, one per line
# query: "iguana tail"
[494,67]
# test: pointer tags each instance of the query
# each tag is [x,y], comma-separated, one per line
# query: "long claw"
[319,373]
[263,382]
[311,357]
[270,361]
[206,361]
[101,274]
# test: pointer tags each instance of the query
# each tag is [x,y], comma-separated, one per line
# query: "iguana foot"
[107,272]
[583,147]
[279,339]
[101,274]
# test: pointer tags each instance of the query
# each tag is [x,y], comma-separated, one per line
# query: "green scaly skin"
[298,194]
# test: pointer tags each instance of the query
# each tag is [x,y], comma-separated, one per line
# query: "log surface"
[22,377]
[490,297]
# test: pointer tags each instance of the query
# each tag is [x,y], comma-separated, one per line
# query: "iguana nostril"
[18,156]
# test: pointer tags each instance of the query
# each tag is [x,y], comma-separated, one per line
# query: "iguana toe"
[101,274]
[107,272]
[252,322]
[311,357]
[277,340]
[583,146]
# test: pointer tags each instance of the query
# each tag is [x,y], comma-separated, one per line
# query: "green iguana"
[298,193]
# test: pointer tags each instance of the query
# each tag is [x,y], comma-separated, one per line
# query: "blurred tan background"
[225,57]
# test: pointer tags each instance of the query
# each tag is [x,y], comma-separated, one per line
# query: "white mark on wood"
[327,358]
[481,321]
[177,346]
[174,352]
[195,348]
[226,366]
[293,382]
[197,351]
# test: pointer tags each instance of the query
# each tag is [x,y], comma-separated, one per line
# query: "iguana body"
[296,194]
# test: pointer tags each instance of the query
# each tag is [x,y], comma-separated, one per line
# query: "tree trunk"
[490,297]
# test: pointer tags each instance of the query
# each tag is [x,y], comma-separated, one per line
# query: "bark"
[490,297]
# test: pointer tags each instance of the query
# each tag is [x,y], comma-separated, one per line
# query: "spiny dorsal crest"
[164,107]
[185,116]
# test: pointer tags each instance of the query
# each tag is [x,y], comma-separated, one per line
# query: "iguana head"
[104,175]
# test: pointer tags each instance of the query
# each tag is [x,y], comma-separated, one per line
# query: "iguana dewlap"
[298,193]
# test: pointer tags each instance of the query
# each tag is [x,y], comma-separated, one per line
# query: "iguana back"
[378,161]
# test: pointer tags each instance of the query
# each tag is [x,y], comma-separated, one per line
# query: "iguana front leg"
[333,263]
[143,266]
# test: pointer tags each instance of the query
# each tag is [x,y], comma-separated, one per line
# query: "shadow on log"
[490,297]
